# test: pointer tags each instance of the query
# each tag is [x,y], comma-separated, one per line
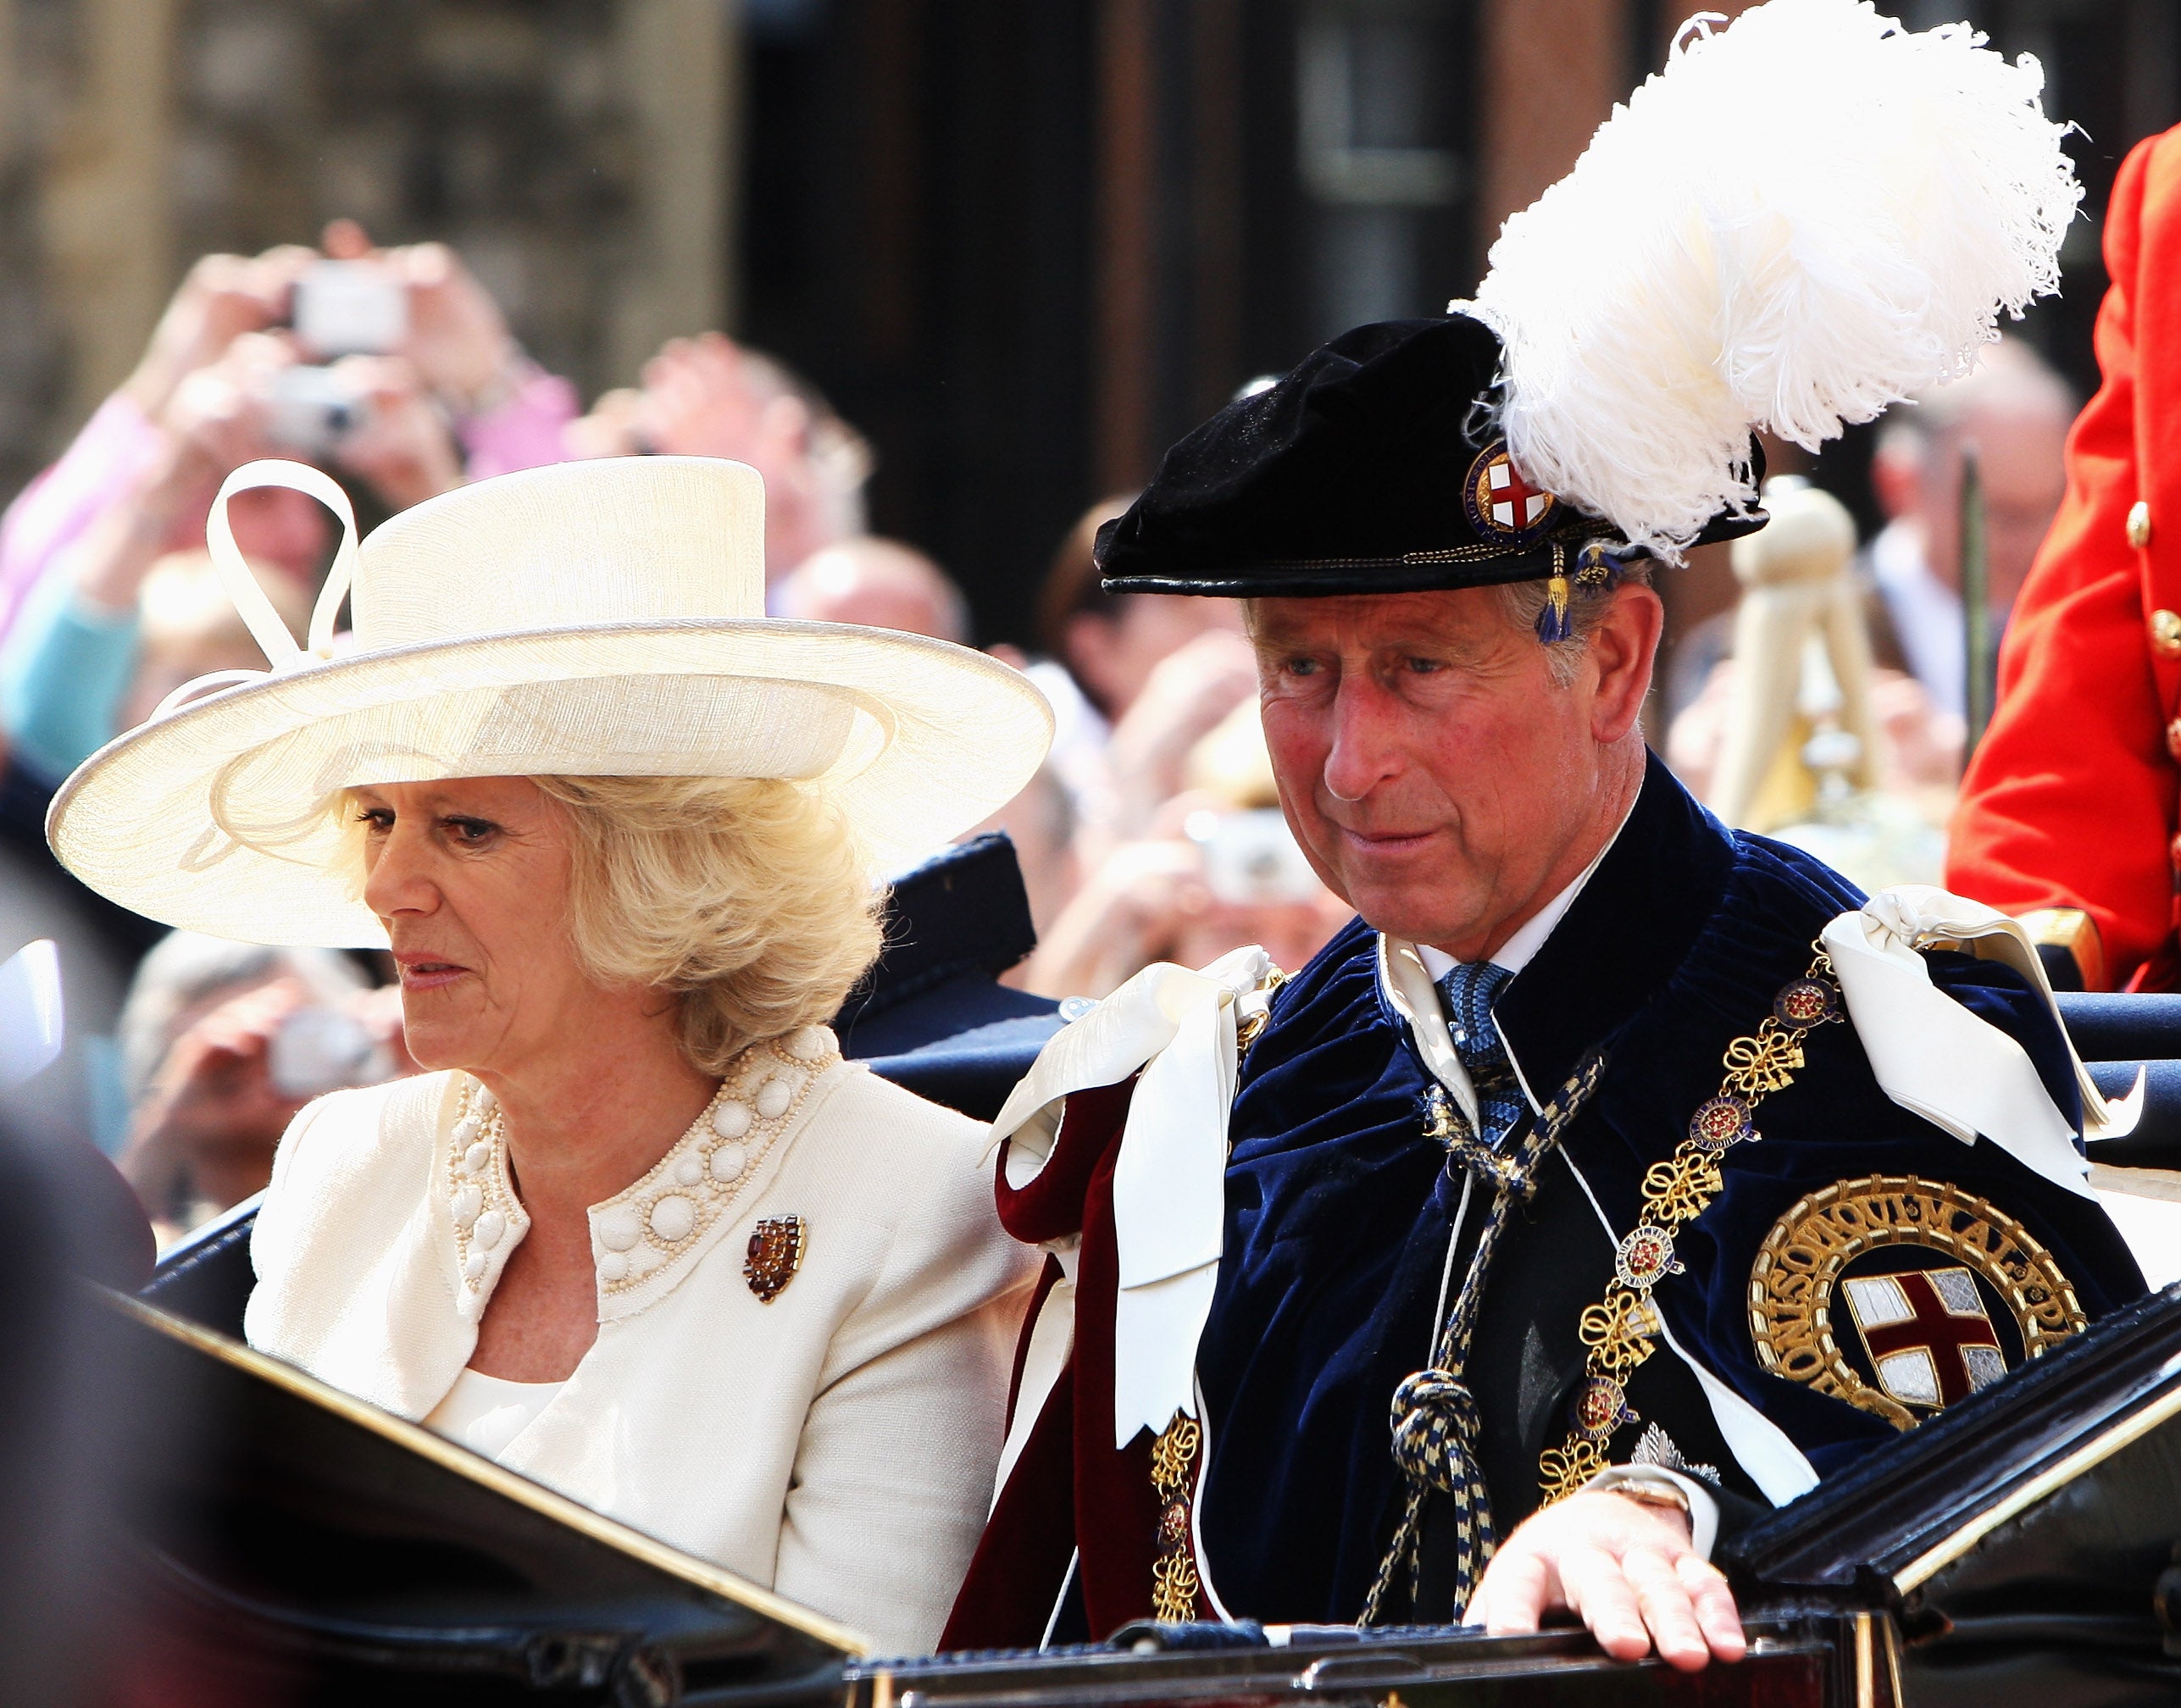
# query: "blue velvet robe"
[1339,1211]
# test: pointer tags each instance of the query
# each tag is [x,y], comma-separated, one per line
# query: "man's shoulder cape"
[1344,1226]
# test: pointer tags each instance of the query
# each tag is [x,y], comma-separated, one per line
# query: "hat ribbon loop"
[256,610]
[196,686]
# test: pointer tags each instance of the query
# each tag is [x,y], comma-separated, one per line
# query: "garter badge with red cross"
[1805,1002]
[1645,1257]
[1903,1295]
[1723,1121]
[1927,1332]
[1503,507]
[1599,1408]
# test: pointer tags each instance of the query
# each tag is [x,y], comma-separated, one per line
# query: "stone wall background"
[1024,244]
[579,153]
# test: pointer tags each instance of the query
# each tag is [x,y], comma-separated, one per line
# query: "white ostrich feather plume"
[1807,216]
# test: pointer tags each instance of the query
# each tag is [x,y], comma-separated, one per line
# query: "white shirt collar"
[1519,949]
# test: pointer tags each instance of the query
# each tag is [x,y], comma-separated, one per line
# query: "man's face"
[2021,456]
[1435,774]
[1113,652]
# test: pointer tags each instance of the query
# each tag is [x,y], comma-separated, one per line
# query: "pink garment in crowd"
[525,431]
[115,449]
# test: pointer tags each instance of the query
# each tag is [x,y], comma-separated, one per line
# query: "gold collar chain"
[1620,1331]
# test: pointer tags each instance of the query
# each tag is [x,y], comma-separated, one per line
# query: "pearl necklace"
[647,1228]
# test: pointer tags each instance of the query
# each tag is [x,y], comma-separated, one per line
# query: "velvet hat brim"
[1374,467]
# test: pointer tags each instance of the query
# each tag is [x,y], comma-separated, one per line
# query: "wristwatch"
[1654,1485]
[1645,1492]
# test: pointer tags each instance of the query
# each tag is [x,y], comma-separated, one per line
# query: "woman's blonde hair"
[748,898]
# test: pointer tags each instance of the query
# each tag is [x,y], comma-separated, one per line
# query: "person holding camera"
[1216,868]
[221,1044]
[392,367]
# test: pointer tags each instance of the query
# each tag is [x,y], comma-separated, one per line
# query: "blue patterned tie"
[1469,991]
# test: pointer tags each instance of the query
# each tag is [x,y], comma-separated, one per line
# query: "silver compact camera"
[339,308]
[349,308]
[1251,857]
[313,410]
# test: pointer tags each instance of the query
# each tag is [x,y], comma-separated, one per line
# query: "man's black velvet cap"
[1374,467]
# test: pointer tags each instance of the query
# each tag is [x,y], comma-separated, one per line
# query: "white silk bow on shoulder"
[1169,1180]
[1937,1059]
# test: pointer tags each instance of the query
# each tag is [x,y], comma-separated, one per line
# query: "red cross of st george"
[1937,1330]
[1526,502]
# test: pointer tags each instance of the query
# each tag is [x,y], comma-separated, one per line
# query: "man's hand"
[206,1131]
[214,420]
[402,446]
[1125,917]
[222,297]
[1627,1568]
[457,338]
[700,399]
[702,396]
[218,419]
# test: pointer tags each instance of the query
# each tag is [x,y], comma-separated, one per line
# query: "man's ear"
[1623,649]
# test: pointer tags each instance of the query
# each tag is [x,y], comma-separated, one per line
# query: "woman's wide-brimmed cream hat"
[600,618]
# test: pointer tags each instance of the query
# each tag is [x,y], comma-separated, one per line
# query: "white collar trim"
[1521,948]
[1397,958]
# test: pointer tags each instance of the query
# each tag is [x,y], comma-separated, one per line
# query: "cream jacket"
[836,1445]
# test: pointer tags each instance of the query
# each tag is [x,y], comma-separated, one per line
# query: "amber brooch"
[775,1254]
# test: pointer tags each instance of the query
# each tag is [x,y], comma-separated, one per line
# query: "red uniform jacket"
[2072,798]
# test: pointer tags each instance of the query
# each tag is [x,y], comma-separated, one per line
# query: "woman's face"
[471,879]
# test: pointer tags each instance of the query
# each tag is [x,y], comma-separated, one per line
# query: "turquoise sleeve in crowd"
[64,670]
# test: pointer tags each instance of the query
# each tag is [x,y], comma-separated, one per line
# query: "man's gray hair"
[1524,602]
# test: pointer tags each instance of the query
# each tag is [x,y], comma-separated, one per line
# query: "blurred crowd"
[1153,831]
